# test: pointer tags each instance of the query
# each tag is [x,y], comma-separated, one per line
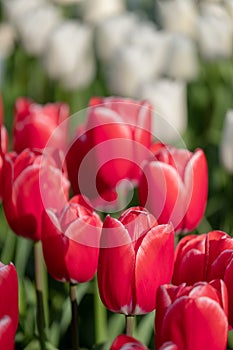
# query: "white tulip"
[215,29]
[16,8]
[229,6]
[155,44]
[35,28]
[98,10]
[179,16]
[170,108]
[129,68]
[112,33]
[66,2]
[226,147]
[7,39]
[182,60]
[69,56]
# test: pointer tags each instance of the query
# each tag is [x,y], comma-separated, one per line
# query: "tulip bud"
[203,258]
[179,16]
[69,55]
[109,147]
[112,33]
[101,10]
[182,58]
[31,183]
[136,253]
[34,124]
[191,317]
[9,313]
[15,9]
[169,119]
[226,147]
[174,186]
[70,240]
[229,6]
[215,32]
[123,342]
[35,28]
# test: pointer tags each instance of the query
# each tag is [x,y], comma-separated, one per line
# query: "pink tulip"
[174,186]
[109,147]
[124,342]
[193,318]
[8,305]
[34,124]
[70,241]
[136,254]
[203,258]
[31,183]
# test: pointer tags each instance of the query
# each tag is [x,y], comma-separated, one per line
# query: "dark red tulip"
[70,240]
[32,183]
[110,146]
[174,186]
[124,342]
[34,124]
[8,305]
[136,254]
[203,258]
[192,317]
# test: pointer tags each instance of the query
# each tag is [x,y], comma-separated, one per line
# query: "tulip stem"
[129,325]
[100,316]
[74,312]
[40,315]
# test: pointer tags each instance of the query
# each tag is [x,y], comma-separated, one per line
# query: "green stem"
[74,322]
[129,325]
[100,316]
[40,317]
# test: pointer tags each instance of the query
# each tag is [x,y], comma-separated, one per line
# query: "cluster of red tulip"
[139,269]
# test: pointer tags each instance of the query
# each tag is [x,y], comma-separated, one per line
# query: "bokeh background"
[178,54]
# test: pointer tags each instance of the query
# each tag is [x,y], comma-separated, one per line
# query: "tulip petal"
[196,324]
[161,191]
[196,183]
[154,266]
[116,267]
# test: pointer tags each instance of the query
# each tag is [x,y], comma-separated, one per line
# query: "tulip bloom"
[31,183]
[110,146]
[124,342]
[203,258]
[34,124]
[136,254]
[174,186]
[3,143]
[8,305]
[70,240]
[193,318]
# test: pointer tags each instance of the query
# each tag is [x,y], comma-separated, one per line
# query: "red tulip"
[168,345]
[70,241]
[110,146]
[32,182]
[203,258]
[124,342]
[1,110]
[3,143]
[8,305]
[174,186]
[136,254]
[193,318]
[34,124]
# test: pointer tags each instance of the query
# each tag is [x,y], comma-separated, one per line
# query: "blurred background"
[178,54]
